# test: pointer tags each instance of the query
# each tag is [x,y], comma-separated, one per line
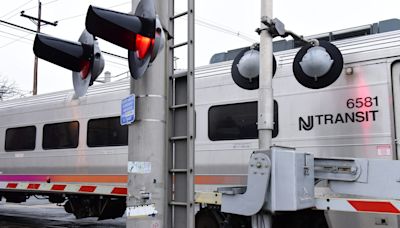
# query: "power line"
[224,29]
[26,3]
[15,28]
[16,40]
[50,2]
[72,17]
[15,14]
[18,26]
[114,55]
[21,37]
[47,3]
[83,14]
[119,64]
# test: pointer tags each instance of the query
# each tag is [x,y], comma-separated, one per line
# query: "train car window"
[236,121]
[61,135]
[20,139]
[106,132]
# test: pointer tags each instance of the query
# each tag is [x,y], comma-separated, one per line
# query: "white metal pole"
[147,136]
[265,96]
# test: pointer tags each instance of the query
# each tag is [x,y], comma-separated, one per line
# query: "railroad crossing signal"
[83,58]
[246,68]
[316,65]
[141,33]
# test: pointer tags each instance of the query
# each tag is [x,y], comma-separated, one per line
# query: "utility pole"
[265,92]
[35,64]
[147,138]
[38,22]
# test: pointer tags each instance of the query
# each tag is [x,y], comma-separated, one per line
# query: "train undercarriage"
[80,205]
[212,217]
[209,216]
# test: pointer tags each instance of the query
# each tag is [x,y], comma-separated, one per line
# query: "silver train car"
[60,147]
[357,116]
[75,149]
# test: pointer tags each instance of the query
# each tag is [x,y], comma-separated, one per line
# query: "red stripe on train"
[58,187]
[120,191]
[33,186]
[374,206]
[87,189]
[12,185]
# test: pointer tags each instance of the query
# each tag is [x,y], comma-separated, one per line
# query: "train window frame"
[213,135]
[94,145]
[20,149]
[75,140]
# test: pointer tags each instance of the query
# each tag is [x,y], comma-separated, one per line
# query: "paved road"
[40,214]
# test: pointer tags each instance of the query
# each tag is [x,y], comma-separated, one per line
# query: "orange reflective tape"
[90,178]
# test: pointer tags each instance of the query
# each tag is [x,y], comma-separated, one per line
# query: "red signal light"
[143,45]
[85,69]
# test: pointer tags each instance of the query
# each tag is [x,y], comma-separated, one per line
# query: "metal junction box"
[292,180]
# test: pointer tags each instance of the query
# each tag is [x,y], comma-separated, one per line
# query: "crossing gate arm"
[358,205]
[326,203]
[284,179]
[252,200]
[376,178]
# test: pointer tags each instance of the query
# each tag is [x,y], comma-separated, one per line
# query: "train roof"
[376,46]
[65,95]
[282,45]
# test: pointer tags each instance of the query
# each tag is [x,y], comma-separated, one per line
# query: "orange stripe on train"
[199,179]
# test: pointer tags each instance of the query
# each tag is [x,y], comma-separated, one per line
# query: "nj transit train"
[76,150]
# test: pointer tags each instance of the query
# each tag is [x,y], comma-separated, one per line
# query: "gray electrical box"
[292,180]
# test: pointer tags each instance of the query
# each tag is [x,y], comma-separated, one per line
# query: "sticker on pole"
[128,110]
[139,167]
[141,211]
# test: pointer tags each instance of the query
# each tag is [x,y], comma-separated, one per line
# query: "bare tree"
[9,89]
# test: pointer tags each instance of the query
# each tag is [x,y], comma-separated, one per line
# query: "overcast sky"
[218,23]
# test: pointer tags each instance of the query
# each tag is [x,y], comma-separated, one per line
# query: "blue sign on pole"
[128,110]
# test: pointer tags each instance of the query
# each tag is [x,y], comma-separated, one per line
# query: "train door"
[396,101]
